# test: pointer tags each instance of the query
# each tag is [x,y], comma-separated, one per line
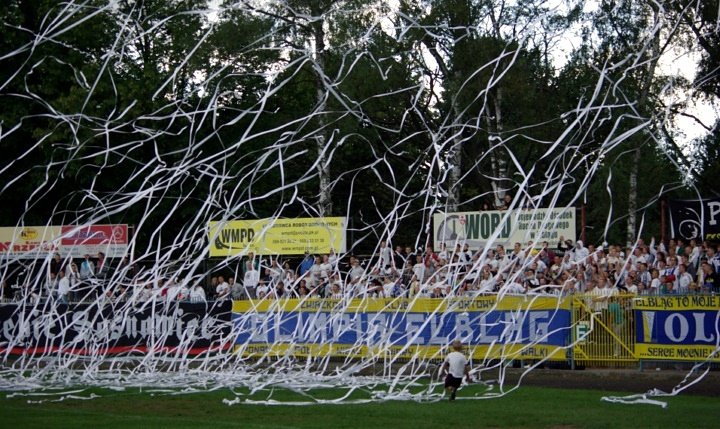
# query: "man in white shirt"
[356,271]
[237,291]
[491,261]
[197,294]
[600,296]
[670,272]
[385,254]
[276,272]
[326,268]
[333,258]
[251,279]
[222,290]
[419,270]
[456,366]
[513,287]
[517,256]
[315,277]
[580,252]
[684,279]
[712,257]
[630,286]
[63,289]
[262,291]
[388,287]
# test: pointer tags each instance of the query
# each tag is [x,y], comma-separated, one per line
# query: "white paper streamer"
[227,173]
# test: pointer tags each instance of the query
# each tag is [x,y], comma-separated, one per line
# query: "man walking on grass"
[455,366]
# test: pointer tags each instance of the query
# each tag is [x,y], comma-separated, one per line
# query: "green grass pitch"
[527,407]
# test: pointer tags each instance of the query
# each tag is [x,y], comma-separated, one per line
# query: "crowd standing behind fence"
[565,269]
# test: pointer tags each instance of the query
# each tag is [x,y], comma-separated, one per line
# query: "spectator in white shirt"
[251,279]
[197,294]
[654,288]
[580,253]
[87,268]
[419,270]
[684,279]
[326,268]
[276,272]
[315,277]
[63,290]
[222,290]
[385,254]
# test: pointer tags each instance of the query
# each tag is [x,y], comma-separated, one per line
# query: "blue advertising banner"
[534,329]
[678,328]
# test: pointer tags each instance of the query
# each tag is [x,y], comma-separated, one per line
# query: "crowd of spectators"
[567,268]
[534,268]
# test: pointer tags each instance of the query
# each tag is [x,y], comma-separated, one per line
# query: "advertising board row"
[321,235]
[33,242]
[682,328]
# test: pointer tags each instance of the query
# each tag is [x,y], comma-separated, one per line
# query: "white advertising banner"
[476,229]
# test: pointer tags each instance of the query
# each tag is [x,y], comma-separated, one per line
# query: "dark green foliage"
[143,110]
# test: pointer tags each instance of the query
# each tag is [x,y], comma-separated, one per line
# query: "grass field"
[528,407]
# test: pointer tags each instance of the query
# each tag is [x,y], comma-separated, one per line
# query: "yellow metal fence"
[603,331]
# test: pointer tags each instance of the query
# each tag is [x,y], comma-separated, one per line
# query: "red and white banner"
[33,242]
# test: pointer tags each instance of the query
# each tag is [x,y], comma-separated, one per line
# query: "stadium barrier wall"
[582,330]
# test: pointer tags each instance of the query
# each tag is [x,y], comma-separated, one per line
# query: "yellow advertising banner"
[425,305]
[277,236]
[29,241]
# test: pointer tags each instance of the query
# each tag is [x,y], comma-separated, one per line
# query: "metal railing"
[604,331]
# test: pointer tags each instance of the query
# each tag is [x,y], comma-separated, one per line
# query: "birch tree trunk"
[654,55]
[498,160]
[323,167]
[632,198]
[501,162]
[455,168]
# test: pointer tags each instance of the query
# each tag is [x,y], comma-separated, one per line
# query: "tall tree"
[622,49]
[481,52]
